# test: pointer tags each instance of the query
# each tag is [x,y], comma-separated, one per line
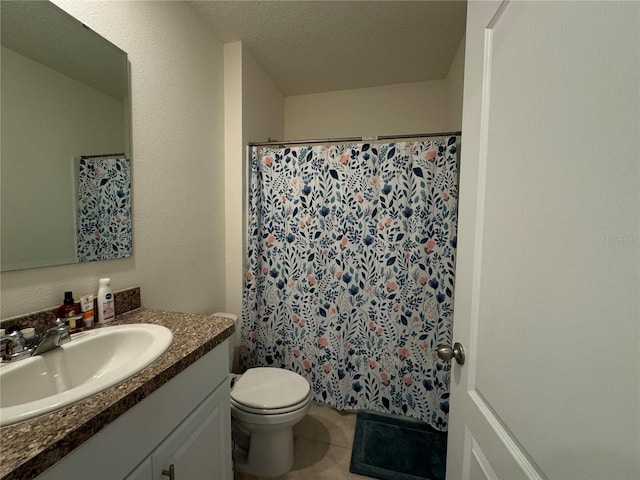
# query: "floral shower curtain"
[104,209]
[350,272]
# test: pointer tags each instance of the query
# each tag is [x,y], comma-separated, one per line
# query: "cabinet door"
[200,447]
[142,471]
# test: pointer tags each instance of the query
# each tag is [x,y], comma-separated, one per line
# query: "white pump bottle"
[106,304]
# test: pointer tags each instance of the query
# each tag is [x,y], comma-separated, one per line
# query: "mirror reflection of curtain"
[350,272]
[104,209]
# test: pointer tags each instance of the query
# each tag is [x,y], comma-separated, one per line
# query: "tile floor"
[322,445]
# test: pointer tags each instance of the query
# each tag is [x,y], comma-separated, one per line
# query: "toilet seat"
[270,391]
[272,411]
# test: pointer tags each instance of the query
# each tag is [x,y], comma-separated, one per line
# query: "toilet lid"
[271,411]
[269,388]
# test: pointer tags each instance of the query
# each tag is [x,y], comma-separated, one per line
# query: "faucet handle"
[62,330]
[18,340]
[14,347]
[65,336]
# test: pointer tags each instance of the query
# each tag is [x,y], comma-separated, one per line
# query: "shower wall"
[429,106]
[402,108]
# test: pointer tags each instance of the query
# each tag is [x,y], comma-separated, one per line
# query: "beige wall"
[234,176]
[254,111]
[419,107]
[454,83]
[262,103]
[393,109]
[178,166]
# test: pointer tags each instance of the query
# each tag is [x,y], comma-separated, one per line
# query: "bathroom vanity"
[171,420]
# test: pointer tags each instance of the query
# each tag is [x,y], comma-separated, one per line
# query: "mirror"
[65,98]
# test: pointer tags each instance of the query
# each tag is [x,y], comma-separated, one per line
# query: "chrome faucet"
[16,347]
[53,338]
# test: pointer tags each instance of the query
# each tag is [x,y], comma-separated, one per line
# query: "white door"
[548,273]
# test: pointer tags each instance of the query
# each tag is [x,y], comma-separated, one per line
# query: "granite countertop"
[30,447]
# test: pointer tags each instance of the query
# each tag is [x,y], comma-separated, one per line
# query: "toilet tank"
[233,339]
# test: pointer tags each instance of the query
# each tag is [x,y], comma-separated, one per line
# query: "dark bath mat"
[390,447]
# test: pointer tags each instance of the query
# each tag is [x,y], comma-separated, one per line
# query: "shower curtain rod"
[353,139]
[85,157]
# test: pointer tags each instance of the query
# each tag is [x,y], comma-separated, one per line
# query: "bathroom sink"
[91,362]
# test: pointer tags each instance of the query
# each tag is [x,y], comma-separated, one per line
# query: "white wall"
[234,176]
[38,178]
[178,166]
[454,86]
[262,103]
[392,109]
[254,111]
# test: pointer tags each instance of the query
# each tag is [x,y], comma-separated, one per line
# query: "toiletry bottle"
[68,307]
[86,307]
[69,311]
[106,305]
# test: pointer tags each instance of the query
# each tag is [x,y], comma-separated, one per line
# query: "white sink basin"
[91,362]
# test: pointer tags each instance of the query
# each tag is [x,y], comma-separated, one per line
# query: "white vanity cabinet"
[188,449]
[187,453]
[144,471]
[185,423]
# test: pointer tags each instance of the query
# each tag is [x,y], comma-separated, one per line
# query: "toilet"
[266,403]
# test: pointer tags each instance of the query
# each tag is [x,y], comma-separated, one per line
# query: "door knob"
[446,353]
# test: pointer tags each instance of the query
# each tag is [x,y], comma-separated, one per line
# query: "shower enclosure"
[351,270]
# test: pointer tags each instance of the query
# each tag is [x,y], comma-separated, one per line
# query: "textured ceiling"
[320,46]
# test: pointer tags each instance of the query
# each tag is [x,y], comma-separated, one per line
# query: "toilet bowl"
[266,403]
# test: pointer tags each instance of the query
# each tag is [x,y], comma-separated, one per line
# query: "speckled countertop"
[29,448]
